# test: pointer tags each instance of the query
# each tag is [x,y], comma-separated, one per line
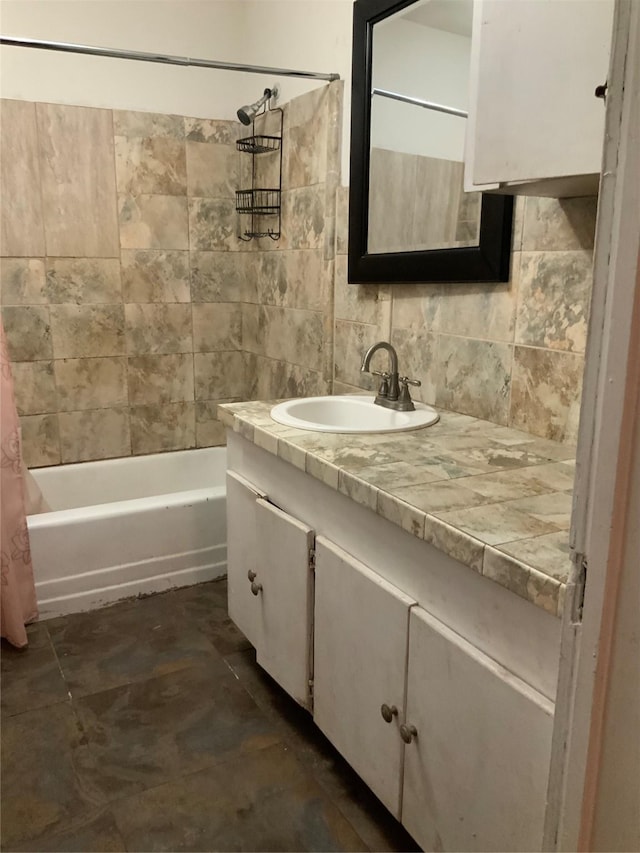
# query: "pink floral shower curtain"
[17,591]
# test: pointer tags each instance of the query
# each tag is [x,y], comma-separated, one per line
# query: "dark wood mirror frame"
[489,261]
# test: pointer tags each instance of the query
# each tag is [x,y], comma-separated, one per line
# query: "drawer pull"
[256,587]
[251,575]
[407,733]
[388,713]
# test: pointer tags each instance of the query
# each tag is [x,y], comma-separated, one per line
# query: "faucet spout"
[393,357]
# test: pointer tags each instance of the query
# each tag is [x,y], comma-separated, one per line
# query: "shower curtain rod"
[166,59]
[428,105]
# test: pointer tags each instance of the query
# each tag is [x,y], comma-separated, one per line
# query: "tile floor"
[149,726]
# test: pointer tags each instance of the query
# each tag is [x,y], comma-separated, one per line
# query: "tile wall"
[132,307]
[510,353]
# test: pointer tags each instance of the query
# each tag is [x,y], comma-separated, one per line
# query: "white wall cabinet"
[460,754]
[535,126]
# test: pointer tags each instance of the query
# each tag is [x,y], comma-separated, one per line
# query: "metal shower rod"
[165,59]
[418,102]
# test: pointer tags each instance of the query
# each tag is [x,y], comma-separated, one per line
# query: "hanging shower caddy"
[262,204]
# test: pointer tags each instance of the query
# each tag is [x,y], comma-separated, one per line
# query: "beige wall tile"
[417,358]
[155,429]
[218,276]
[212,130]
[212,225]
[91,383]
[217,326]
[351,342]
[554,297]
[153,222]
[141,125]
[158,328]
[155,379]
[22,281]
[545,394]
[268,379]
[303,218]
[152,165]
[564,225]
[293,335]
[99,434]
[210,432]
[83,280]
[21,220]
[87,330]
[480,310]
[212,170]
[78,181]
[155,276]
[40,440]
[342,220]
[28,332]
[417,306]
[219,375]
[362,302]
[474,377]
[307,149]
[35,387]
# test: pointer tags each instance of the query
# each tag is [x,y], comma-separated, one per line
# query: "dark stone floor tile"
[370,818]
[128,642]
[146,733]
[30,678]
[99,834]
[204,606]
[264,801]
[43,756]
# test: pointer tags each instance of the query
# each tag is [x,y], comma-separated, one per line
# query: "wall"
[512,353]
[121,278]
[274,33]
[130,305]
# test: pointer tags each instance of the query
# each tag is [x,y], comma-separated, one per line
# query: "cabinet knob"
[388,713]
[251,575]
[407,733]
[256,587]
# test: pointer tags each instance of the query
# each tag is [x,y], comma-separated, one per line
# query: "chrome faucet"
[390,394]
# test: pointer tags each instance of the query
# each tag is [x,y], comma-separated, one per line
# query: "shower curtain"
[17,591]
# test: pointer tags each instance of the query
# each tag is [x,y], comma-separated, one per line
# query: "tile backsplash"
[512,353]
[132,308]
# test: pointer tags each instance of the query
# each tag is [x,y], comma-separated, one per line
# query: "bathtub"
[123,527]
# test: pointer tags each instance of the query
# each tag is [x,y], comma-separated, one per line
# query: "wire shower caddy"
[262,204]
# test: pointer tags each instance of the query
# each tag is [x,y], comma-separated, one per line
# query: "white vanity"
[435,683]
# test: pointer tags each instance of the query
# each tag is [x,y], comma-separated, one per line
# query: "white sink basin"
[349,413]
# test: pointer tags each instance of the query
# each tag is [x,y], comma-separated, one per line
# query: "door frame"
[608,441]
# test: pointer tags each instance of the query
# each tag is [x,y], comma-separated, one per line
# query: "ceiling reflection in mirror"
[416,198]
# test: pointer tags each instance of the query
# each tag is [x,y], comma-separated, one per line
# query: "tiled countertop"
[494,498]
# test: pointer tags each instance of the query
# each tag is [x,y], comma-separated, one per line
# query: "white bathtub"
[122,527]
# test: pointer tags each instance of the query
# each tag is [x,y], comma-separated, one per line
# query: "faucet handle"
[404,380]
[383,390]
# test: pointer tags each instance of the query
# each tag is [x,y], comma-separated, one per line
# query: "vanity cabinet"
[474,774]
[380,632]
[535,126]
[270,585]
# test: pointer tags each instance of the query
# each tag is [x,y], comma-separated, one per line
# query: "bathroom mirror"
[409,218]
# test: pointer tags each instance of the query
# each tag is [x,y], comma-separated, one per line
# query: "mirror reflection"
[419,100]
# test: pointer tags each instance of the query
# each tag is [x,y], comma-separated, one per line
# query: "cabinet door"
[533,113]
[284,599]
[476,774]
[360,648]
[242,555]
